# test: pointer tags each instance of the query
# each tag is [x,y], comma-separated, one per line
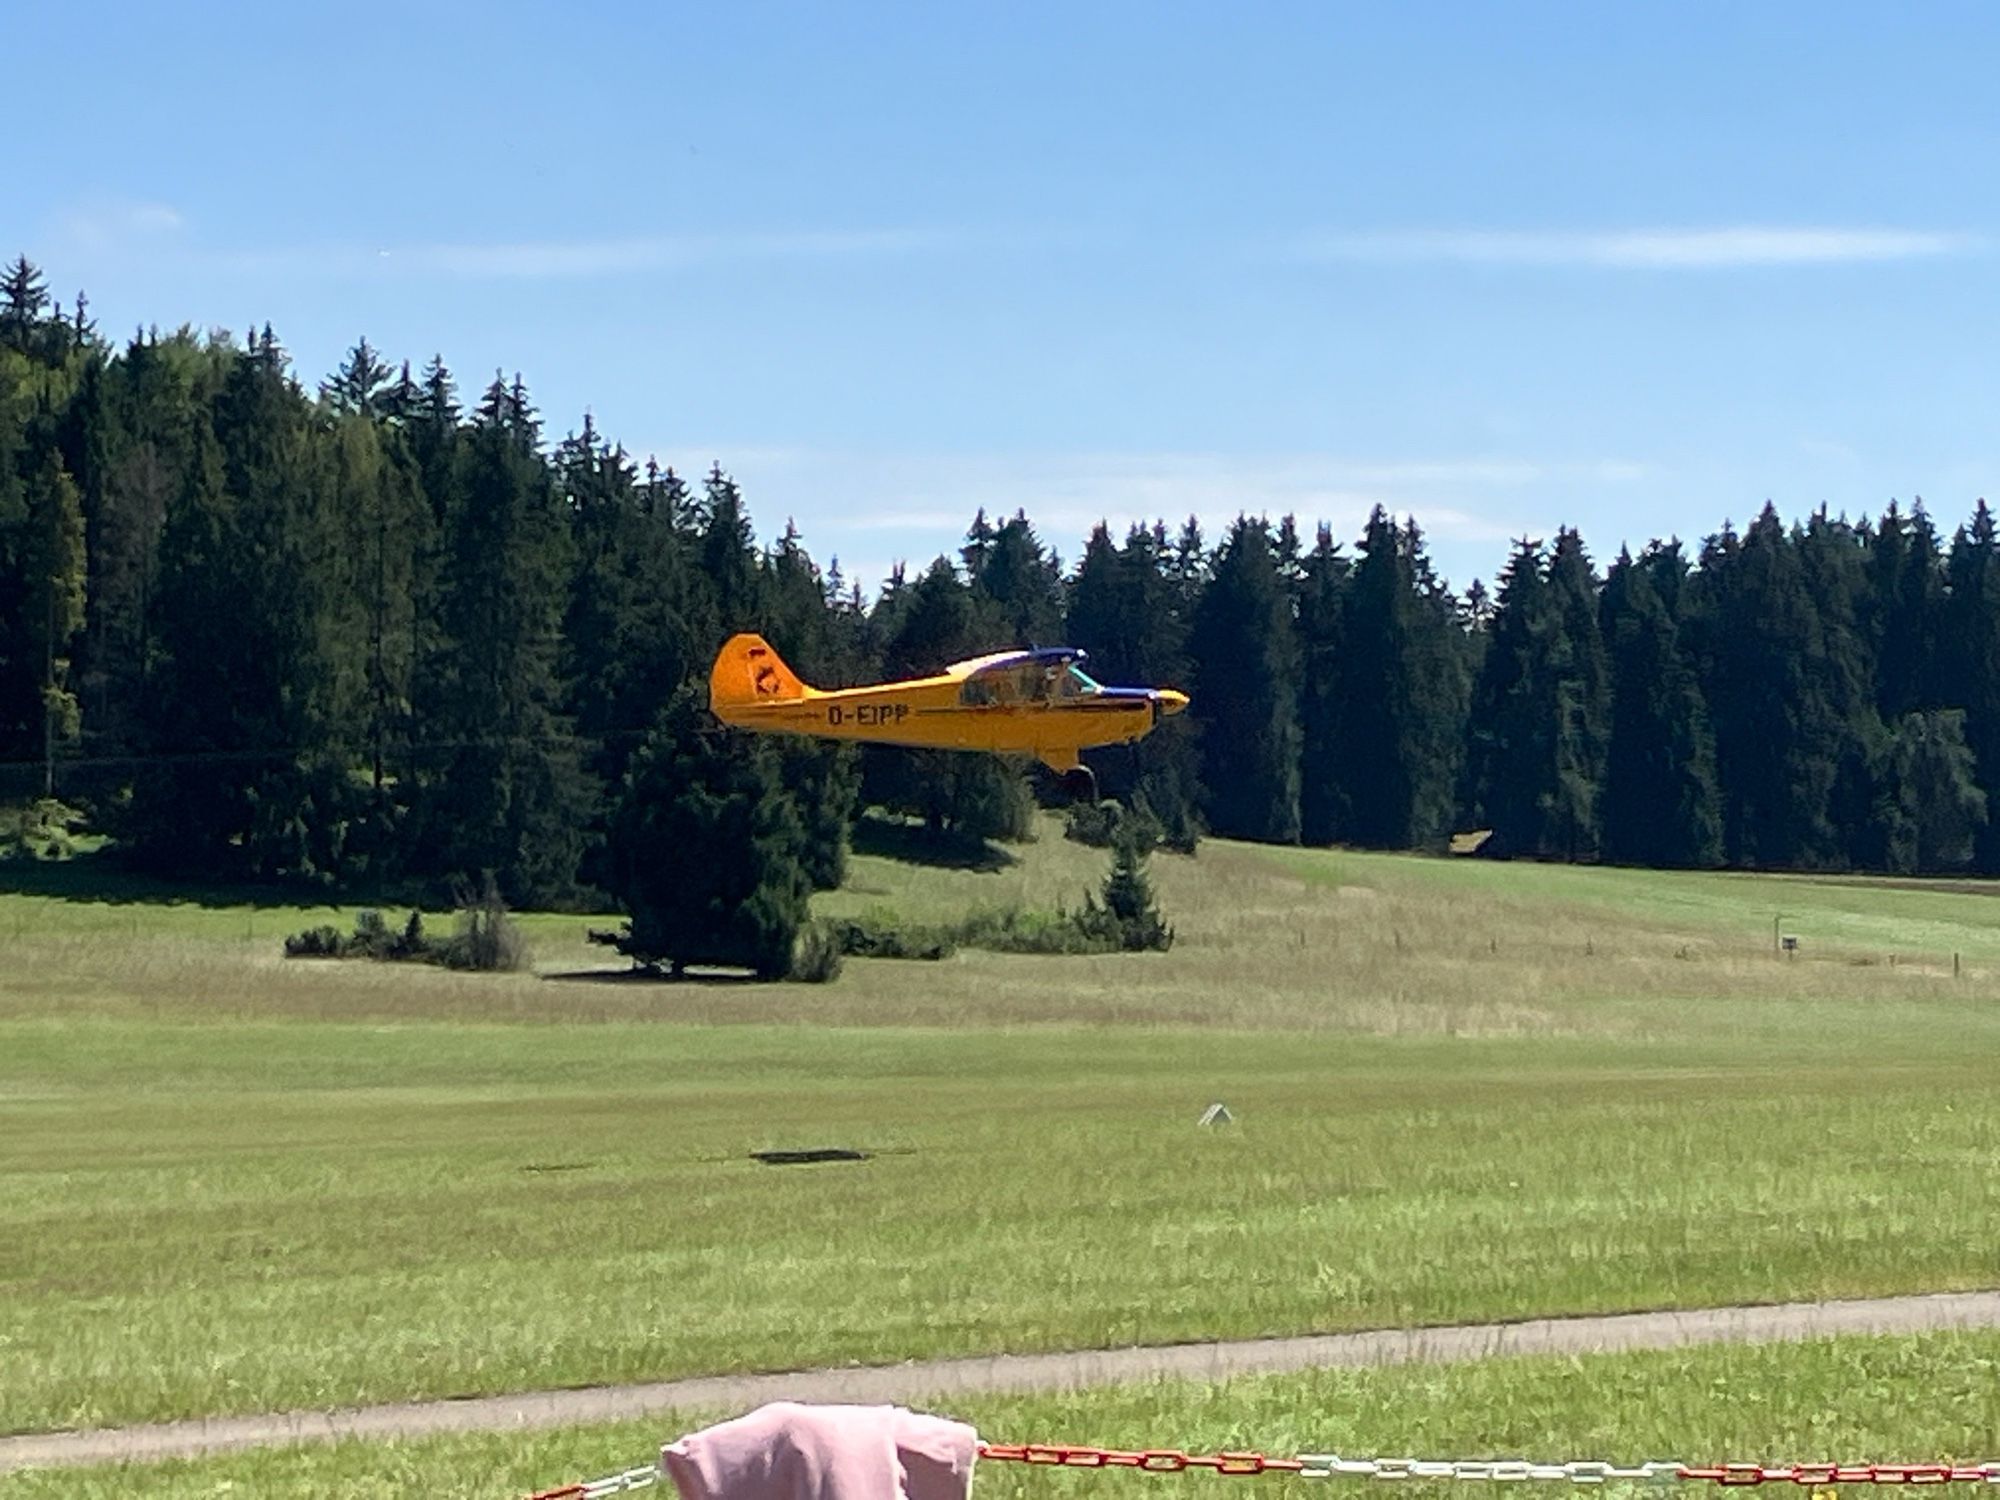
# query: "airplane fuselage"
[1022,703]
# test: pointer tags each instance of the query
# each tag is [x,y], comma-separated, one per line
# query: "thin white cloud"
[109,223]
[1640,249]
[562,259]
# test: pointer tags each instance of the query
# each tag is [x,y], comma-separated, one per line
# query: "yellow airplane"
[1036,703]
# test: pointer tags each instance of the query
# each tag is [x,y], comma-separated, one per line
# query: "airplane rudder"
[749,670]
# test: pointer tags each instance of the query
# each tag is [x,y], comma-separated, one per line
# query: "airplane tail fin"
[748,672]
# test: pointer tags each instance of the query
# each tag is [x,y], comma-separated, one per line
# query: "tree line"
[374,632]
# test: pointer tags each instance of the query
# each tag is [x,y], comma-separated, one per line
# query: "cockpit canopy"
[1026,680]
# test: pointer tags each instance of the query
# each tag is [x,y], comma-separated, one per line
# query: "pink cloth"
[788,1451]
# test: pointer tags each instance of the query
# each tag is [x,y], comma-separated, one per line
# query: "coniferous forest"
[388,630]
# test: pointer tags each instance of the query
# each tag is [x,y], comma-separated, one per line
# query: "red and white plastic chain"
[1333,1466]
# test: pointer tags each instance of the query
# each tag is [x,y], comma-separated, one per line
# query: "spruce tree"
[1125,610]
[1935,808]
[53,557]
[1777,740]
[1019,586]
[706,849]
[1583,702]
[359,386]
[250,773]
[1659,806]
[1403,685]
[505,794]
[1322,596]
[24,297]
[1510,754]
[1904,613]
[1970,659]
[1245,657]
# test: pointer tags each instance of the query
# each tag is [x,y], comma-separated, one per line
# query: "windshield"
[1030,682]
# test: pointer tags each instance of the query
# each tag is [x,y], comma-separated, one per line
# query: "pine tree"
[505,793]
[1659,805]
[24,297]
[1510,756]
[1903,615]
[1125,610]
[1403,685]
[707,850]
[1019,586]
[1778,739]
[729,556]
[250,772]
[383,545]
[1128,915]
[1970,659]
[54,561]
[1322,596]
[1583,702]
[1834,557]
[1245,656]
[359,387]
[1936,808]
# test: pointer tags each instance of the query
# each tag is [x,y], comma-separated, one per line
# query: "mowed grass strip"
[1463,1091]
[211,1219]
[1927,1398]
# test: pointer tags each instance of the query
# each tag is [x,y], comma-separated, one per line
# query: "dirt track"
[938,1380]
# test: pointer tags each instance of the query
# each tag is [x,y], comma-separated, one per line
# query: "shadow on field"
[100,878]
[912,843]
[704,977]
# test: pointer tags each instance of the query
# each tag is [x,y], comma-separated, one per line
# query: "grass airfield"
[1463,1091]
[1930,1397]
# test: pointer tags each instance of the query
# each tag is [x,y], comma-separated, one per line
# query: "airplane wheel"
[1081,785]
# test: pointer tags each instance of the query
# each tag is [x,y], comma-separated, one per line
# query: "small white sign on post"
[1216,1114]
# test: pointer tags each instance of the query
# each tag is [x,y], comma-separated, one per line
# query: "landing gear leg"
[1081,785]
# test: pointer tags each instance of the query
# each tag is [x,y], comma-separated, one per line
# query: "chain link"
[610,1484]
[1497,1470]
[1151,1460]
[618,1484]
[1333,1466]
[1815,1474]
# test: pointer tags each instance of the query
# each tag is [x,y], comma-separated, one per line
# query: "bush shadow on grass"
[639,974]
[913,843]
[102,879]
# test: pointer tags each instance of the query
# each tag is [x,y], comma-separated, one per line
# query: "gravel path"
[938,1380]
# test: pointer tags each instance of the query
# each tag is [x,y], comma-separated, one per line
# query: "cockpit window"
[1030,682]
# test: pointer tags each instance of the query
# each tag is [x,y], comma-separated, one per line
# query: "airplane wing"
[1003,661]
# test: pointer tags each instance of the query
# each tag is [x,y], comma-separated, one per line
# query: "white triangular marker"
[1216,1114]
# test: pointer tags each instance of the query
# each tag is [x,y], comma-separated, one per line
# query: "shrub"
[317,942]
[1101,824]
[1125,918]
[42,829]
[487,938]
[816,957]
[1129,917]
[1091,823]
[877,936]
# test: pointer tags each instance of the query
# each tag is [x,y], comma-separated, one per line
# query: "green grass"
[1463,1091]
[215,1219]
[1916,1399]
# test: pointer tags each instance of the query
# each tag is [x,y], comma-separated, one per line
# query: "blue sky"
[1505,267]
